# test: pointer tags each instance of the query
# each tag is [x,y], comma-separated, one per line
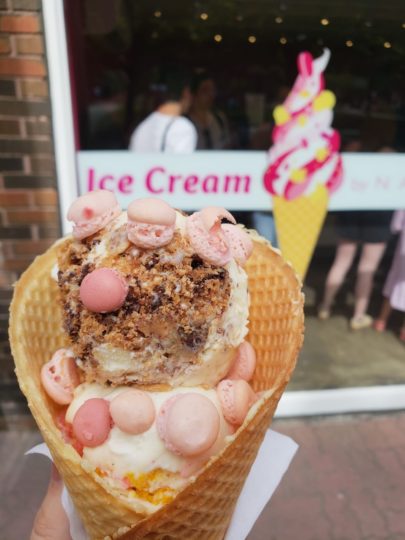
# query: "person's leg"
[402,332]
[385,312]
[345,253]
[371,255]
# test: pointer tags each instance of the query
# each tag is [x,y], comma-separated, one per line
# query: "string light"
[252,39]
[157,14]
[279,20]
[218,38]
[324,22]
[387,45]
[283,40]
[403,25]
[204,16]
[349,43]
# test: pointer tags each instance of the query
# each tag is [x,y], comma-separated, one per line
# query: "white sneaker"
[358,323]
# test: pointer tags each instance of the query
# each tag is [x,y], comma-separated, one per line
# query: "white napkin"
[273,460]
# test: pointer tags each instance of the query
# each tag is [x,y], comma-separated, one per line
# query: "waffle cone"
[202,510]
[298,224]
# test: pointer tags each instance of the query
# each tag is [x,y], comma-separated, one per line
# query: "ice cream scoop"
[103,290]
[92,422]
[133,411]
[236,398]
[59,377]
[207,237]
[151,223]
[244,364]
[240,244]
[305,151]
[188,424]
[92,212]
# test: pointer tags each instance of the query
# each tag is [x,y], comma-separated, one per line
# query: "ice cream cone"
[298,224]
[204,508]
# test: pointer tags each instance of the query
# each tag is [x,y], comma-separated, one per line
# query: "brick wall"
[29,220]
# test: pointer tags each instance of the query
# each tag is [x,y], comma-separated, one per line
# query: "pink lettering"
[125,183]
[210,184]
[90,180]
[190,184]
[172,181]
[104,180]
[233,183]
[359,185]
[150,178]
[383,182]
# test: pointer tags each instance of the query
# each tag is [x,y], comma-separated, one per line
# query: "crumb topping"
[173,299]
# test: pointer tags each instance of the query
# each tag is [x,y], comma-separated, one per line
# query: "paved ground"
[335,357]
[347,481]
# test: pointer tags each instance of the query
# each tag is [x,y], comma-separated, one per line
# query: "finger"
[51,521]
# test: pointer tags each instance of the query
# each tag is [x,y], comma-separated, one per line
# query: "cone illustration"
[203,509]
[305,167]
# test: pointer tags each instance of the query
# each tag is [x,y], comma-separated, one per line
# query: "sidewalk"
[347,481]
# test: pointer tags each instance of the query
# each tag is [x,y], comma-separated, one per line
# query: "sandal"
[323,314]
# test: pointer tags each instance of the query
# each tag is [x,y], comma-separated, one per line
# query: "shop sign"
[233,179]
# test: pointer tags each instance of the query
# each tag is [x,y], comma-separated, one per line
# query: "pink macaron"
[133,411]
[103,290]
[236,398]
[188,424]
[92,212]
[244,364]
[206,236]
[92,422]
[240,244]
[59,376]
[151,223]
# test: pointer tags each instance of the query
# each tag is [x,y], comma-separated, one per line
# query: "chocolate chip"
[193,339]
[150,263]
[196,261]
[86,269]
[75,259]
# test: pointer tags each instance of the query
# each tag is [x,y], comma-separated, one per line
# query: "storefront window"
[238,60]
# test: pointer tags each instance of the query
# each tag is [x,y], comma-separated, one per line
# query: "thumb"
[51,521]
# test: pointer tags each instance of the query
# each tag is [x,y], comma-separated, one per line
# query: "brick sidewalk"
[347,481]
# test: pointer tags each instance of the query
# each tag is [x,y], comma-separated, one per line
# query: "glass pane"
[239,61]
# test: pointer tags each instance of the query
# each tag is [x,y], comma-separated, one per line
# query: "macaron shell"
[151,211]
[161,423]
[210,244]
[236,398]
[244,364]
[149,236]
[133,411]
[92,422]
[92,212]
[59,377]
[190,424]
[240,244]
[103,290]
[91,205]
[212,215]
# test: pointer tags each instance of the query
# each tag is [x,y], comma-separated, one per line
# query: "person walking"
[394,288]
